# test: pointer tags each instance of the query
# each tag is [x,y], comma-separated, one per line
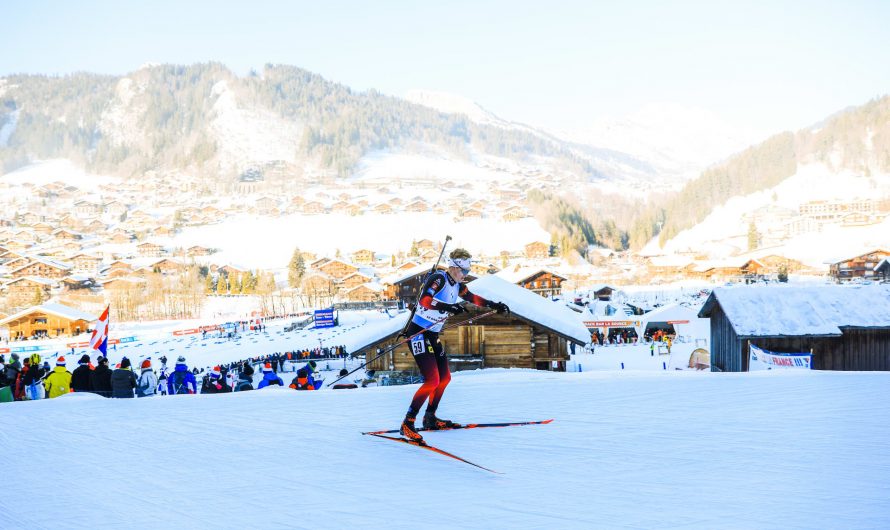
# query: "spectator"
[100,379]
[215,384]
[340,386]
[32,378]
[309,368]
[162,379]
[269,377]
[301,381]
[123,381]
[245,378]
[80,379]
[11,370]
[147,385]
[58,383]
[181,378]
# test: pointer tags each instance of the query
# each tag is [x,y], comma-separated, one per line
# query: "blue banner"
[324,318]
[25,349]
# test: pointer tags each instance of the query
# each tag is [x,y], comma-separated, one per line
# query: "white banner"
[760,359]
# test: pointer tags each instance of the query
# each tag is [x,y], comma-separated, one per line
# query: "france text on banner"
[760,359]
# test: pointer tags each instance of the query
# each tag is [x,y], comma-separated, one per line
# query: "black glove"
[500,307]
[454,309]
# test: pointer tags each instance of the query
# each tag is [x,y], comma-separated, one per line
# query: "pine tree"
[296,269]
[414,251]
[208,284]
[753,236]
[221,287]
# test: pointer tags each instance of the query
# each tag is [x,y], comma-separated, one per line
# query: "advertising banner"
[760,359]
[324,318]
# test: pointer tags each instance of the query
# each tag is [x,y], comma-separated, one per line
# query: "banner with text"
[760,359]
[324,318]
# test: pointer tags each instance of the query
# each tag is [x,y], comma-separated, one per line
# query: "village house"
[354,280]
[861,266]
[417,206]
[85,263]
[337,269]
[313,208]
[363,257]
[366,292]
[123,283]
[87,209]
[47,320]
[537,250]
[150,250]
[42,267]
[196,250]
[27,290]
[469,213]
[540,281]
[65,234]
[383,208]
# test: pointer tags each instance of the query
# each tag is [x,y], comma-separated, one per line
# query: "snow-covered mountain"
[454,104]
[679,140]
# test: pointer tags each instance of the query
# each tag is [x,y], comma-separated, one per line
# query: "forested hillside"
[160,118]
[856,139]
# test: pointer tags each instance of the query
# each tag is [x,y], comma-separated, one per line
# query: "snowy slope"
[626,450]
[724,231]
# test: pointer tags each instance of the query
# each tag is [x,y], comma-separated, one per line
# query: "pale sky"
[762,65]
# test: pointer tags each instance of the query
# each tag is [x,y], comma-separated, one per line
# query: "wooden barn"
[845,327]
[48,320]
[536,335]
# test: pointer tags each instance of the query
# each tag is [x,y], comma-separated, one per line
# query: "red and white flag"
[99,340]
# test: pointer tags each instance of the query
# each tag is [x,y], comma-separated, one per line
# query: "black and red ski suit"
[437,302]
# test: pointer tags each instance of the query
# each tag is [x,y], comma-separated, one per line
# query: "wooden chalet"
[337,269]
[535,335]
[42,267]
[354,280]
[85,263]
[845,328]
[882,269]
[366,292]
[149,250]
[22,292]
[537,250]
[470,213]
[197,251]
[123,283]
[540,281]
[862,266]
[363,256]
[313,208]
[47,320]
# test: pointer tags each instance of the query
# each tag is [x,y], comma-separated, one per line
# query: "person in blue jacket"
[182,380]
[269,377]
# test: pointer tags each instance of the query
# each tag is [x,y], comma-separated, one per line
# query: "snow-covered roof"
[775,311]
[63,311]
[670,312]
[530,306]
[517,274]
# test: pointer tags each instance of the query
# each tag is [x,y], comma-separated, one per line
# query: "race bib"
[418,345]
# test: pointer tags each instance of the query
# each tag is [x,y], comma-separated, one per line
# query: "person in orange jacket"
[301,382]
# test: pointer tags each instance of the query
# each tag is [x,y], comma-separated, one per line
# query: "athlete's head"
[459,263]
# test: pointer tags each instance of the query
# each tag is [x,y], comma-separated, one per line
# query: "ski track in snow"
[627,450]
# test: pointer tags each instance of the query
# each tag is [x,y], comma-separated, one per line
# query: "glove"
[500,307]
[454,309]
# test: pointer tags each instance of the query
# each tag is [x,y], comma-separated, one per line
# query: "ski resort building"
[537,334]
[48,320]
[843,327]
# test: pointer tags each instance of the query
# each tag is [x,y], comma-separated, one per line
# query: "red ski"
[471,426]
[425,445]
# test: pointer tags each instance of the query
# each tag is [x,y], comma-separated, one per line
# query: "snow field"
[626,450]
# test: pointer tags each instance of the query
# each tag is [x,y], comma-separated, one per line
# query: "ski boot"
[432,423]
[408,431]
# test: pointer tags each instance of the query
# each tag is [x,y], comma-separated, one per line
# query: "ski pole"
[407,339]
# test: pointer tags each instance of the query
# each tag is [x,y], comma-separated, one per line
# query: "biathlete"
[438,301]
